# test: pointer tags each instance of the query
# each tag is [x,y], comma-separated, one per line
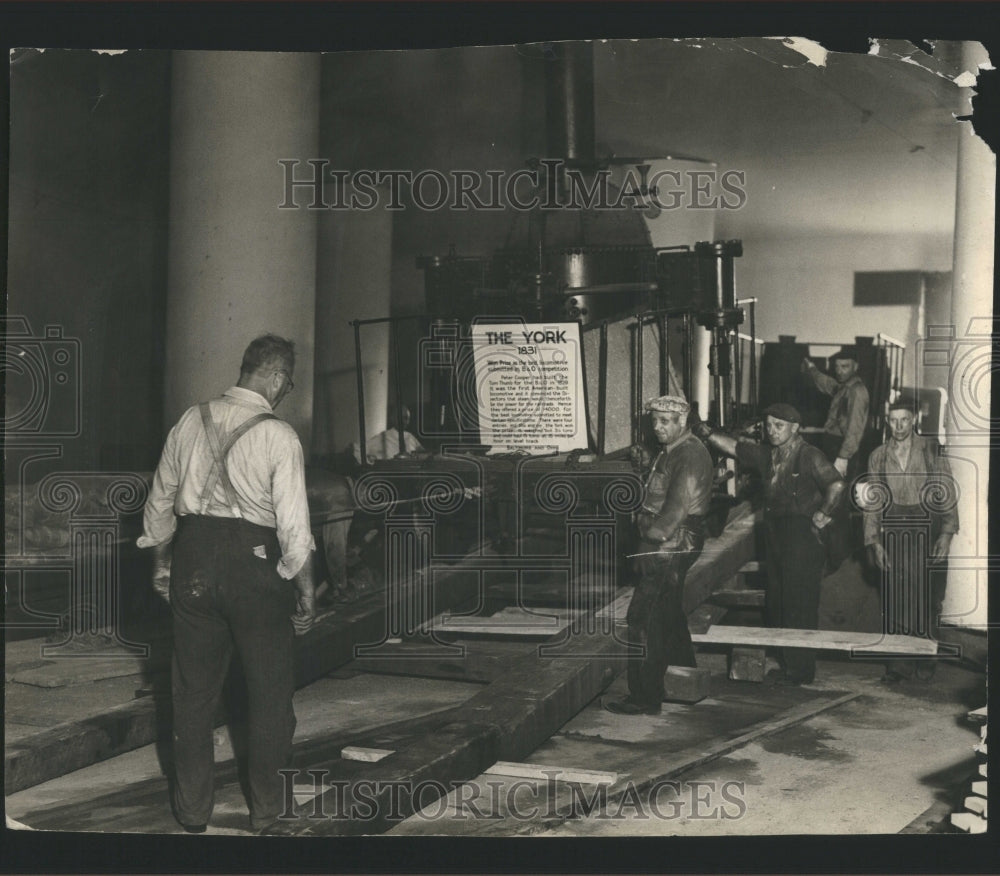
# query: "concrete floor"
[874,765]
[870,766]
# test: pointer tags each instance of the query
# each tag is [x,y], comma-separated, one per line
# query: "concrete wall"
[819,271]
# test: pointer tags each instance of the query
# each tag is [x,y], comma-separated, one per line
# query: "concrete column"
[971,367]
[238,265]
[353,281]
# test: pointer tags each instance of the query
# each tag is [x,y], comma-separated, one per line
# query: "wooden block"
[752,566]
[982,768]
[978,714]
[979,788]
[686,684]
[369,755]
[305,793]
[981,748]
[545,773]
[747,664]
[968,822]
[977,805]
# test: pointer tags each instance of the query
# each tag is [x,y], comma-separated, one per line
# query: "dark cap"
[905,403]
[845,353]
[782,411]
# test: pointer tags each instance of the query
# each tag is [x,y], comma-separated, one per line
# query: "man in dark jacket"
[848,416]
[801,493]
[671,532]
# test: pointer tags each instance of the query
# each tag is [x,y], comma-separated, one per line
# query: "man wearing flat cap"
[848,416]
[910,505]
[801,493]
[671,532]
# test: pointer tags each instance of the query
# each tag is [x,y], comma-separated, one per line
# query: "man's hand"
[819,519]
[161,569]
[878,556]
[305,609]
[942,546]
[841,465]
[161,581]
[640,456]
[701,430]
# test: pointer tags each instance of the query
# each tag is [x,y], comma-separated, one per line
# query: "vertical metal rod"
[689,361]
[753,357]
[664,357]
[602,388]
[361,392]
[737,375]
[394,339]
[902,366]
[637,403]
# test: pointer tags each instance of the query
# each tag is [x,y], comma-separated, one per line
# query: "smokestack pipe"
[569,101]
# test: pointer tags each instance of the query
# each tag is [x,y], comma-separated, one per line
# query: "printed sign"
[529,382]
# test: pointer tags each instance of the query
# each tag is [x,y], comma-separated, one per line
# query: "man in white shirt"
[228,521]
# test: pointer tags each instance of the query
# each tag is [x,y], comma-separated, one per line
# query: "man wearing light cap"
[801,493]
[671,532]
[848,417]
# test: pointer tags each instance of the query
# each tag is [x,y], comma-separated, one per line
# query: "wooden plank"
[551,773]
[329,644]
[982,768]
[80,669]
[825,640]
[738,598]
[510,621]
[978,714]
[368,755]
[979,788]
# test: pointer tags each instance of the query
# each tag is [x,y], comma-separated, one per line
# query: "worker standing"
[228,520]
[801,493]
[672,533]
[848,416]
[843,434]
[915,526]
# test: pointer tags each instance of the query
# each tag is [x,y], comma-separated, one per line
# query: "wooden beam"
[738,598]
[329,644]
[505,721]
[823,640]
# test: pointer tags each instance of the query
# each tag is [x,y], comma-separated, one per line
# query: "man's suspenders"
[220,452]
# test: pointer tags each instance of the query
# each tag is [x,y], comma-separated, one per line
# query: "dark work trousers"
[224,594]
[795,559]
[913,586]
[656,619]
[843,533]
